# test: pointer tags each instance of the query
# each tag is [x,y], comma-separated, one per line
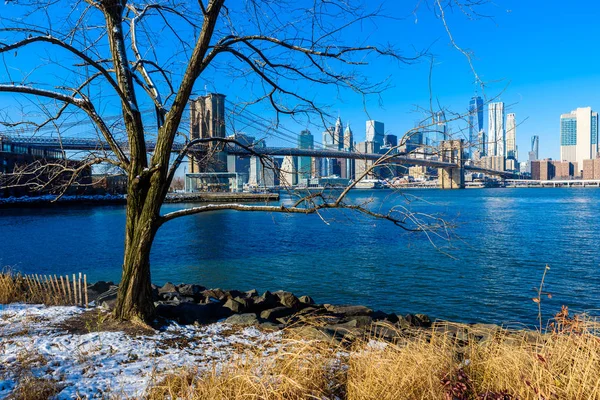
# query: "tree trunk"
[134,300]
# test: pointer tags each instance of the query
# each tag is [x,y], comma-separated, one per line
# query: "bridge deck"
[94,144]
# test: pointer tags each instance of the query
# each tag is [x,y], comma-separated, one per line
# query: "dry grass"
[300,370]
[15,288]
[507,365]
[31,388]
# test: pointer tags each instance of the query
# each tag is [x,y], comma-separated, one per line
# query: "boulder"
[194,291]
[100,286]
[108,299]
[235,305]
[232,294]
[382,316]
[265,301]
[167,288]
[287,299]
[252,293]
[419,320]
[313,333]
[306,300]
[217,294]
[349,310]
[277,312]
[270,326]
[361,321]
[185,313]
[243,319]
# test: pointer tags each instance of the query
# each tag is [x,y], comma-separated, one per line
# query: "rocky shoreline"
[194,304]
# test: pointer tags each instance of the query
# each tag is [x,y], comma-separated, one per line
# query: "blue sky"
[539,57]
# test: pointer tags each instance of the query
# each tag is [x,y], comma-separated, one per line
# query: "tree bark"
[134,300]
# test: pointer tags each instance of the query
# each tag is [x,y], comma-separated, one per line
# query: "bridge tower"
[452,151]
[207,119]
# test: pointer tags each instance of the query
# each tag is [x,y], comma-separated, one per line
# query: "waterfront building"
[288,174]
[390,141]
[591,169]
[363,165]
[535,147]
[375,132]
[413,141]
[496,133]
[476,128]
[13,157]
[493,162]
[348,171]
[579,135]
[304,166]
[237,164]
[511,137]
[262,172]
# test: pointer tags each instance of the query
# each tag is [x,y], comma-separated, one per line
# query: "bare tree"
[105,55]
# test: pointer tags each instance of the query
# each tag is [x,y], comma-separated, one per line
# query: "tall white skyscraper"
[511,136]
[375,132]
[496,134]
[579,136]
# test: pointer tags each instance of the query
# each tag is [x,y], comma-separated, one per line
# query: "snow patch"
[112,363]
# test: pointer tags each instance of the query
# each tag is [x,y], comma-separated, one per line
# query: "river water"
[501,242]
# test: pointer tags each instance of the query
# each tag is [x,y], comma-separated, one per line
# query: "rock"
[266,301]
[402,323]
[385,333]
[232,294]
[419,320]
[100,286]
[287,299]
[270,326]
[243,319]
[168,292]
[361,321]
[277,312]
[382,316]
[349,310]
[167,288]
[217,294]
[307,300]
[194,291]
[313,333]
[346,331]
[252,293]
[186,313]
[108,299]
[235,305]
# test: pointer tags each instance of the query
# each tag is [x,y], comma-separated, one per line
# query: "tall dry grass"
[300,370]
[427,365]
[15,287]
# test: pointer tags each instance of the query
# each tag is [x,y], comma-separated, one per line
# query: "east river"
[501,242]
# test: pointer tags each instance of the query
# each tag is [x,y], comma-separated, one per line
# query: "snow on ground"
[111,362]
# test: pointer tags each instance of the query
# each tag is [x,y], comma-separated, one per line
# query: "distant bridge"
[70,143]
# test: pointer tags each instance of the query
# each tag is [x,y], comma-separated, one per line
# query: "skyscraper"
[511,136]
[305,141]
[476,126]
[535,147]
[375,131]
[579,136]
[496,133]
[348,146]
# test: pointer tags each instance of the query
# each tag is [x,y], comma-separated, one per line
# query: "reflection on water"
[504,239]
